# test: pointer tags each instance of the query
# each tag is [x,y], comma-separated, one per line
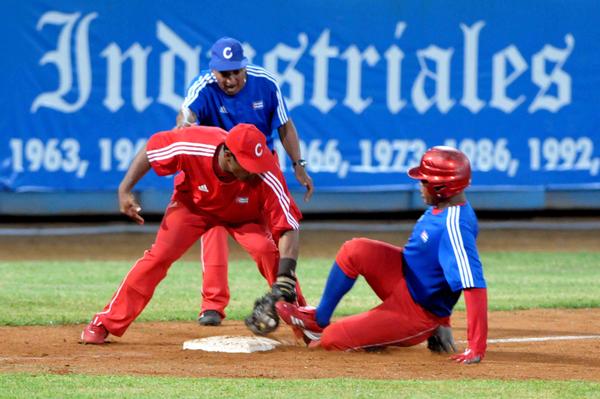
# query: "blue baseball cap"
[227,54]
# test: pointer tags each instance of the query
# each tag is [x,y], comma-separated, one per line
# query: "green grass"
[79,386]
[532,280]
[71,292]
[33,293]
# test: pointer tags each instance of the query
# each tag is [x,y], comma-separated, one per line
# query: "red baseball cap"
[249,145]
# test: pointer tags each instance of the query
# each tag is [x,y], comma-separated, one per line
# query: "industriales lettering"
[429,89]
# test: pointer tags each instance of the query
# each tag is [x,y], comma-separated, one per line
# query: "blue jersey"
[259,102]
[441,258]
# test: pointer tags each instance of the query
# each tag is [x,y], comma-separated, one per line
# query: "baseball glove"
[264,318]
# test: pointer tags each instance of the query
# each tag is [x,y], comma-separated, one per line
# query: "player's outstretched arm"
[128,205]
[477,326]
[264,318]
[285,285]
[289,244]
[291,142]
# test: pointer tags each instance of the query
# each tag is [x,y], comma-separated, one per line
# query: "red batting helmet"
[445,171]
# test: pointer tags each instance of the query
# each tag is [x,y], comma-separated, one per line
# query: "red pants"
[179,230]
[398,320]
[215,285]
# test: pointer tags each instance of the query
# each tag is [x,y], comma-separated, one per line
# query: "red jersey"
[193,153]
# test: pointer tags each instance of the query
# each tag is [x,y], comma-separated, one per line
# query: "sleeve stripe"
[278,187]
[462,260]
[182,151]
[453,217]
[255,71]
[280,109]
[261,70]
[462,250]
[449,227]
[195,88]
[275,185]
[284,201]
[198,146]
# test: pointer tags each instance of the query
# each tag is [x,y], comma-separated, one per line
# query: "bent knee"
[160,259]
[352,254]
[265,247]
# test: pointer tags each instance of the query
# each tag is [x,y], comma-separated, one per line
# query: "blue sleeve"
[195,99]
[280,111]
[458,253]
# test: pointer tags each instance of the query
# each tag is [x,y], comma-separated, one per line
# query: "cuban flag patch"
[258,105]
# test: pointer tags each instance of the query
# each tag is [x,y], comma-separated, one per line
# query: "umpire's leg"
[258,242]
[215,282]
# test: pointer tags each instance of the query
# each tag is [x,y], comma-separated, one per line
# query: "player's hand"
[468,357]
[129,206]
[284,288]
[442,340]
[182,124]
[304,179]
[190,119]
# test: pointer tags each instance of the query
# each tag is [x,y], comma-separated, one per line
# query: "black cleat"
[210,318]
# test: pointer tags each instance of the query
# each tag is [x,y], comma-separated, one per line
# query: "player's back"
[192,152]
[441,257]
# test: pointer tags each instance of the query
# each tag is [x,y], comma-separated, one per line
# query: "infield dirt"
[156,348]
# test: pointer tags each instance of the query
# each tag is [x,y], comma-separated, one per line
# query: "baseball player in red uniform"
[230,180]
[234,91]
[418,284]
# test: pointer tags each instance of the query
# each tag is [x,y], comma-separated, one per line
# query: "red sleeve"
[477,323]
[280,210]
[163,154]
[168,150]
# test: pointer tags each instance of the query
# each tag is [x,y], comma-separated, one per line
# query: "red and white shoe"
[303,321]
[93,334]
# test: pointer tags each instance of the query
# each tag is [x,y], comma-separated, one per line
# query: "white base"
[231,344]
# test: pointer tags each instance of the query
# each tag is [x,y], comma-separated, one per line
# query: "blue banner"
[370,86]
